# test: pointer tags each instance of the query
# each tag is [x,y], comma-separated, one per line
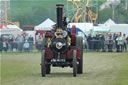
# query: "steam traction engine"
[61,48]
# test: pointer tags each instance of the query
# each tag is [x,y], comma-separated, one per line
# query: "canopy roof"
[101,29]
[46,25]
[14,27]
[123,28]
[109,22]
[11,29]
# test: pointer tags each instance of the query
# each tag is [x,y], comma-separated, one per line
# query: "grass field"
[99,69]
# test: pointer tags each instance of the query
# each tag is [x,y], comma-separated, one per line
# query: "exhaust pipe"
[59,10]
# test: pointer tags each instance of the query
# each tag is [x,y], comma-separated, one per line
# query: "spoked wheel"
[43,66]
[48,69]
[79,43]
[74,63]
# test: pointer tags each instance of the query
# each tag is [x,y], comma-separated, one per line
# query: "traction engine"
[61,48]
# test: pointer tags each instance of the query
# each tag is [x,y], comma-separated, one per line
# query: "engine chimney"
[59,9]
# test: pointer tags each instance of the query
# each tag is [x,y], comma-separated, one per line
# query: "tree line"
[33,12]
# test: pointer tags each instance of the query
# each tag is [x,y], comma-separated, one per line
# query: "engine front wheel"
[43,66]
[74,63]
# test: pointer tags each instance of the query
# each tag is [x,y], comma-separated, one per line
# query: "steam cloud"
[108,4]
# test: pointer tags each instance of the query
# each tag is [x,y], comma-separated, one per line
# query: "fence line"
[92,45]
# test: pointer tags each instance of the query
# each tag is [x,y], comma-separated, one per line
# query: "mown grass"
[99,69]
[122,78]
[14,63]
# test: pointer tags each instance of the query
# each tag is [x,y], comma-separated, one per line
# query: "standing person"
[5,45]
[124,42]
[26,46]
[89,40]
[114,41]
[97,43]
[30,41]
[15,45]
[110,43]
[10,40]
[39,42]
[20,41]
[17,42]
[102,42]
[24,35]
[106,41]
[119,43]
[1,44]
[127,39]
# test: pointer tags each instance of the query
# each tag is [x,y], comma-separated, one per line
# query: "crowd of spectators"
[101,42]
[19,43]
[108,42]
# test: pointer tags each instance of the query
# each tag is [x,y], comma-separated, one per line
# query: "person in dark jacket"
[89,41]
[102,42]
[30,41]
[96,43]
[127,40]
[110,44]
[10,42]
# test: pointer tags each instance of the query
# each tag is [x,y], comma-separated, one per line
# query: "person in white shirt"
[26,46]
[119,43]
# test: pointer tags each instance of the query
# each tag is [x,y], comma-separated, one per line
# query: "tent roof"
[11,29]
[120,28]
[101,29]
[46,25]
[14,27]
[109,22]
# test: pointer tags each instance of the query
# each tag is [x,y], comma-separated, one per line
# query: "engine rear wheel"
[74,63]
[79,43]
[43,66]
